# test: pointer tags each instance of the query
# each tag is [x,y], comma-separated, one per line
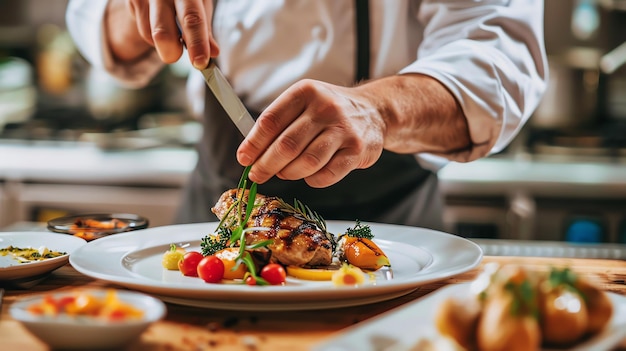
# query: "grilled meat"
[296,240]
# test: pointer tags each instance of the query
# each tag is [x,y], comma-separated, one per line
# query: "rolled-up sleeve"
[85,23]
[490,55]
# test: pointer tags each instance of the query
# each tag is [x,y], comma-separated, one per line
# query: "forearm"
[420,115]
[123,39]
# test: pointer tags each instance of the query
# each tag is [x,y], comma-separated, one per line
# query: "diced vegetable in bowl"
[88,319]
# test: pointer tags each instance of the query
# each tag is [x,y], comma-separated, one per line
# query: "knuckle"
[259,176]
[192,19]
[287,147]
[305,89]
[353,145]
[252,146]
[268,122]
[327,111]
[161,34]
[309,162]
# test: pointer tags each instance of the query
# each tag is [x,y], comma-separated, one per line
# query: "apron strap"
[362,22]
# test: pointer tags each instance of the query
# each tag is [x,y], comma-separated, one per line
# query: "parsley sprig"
[360,230]
[524,298]
[211,244]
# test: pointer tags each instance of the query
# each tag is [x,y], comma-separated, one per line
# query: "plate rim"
[438,269]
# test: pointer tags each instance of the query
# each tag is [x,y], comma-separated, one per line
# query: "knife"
[225,94]
[227,97]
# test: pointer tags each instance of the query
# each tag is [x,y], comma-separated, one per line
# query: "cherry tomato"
[274,274]
[211,269]
[188,266]
[250,280]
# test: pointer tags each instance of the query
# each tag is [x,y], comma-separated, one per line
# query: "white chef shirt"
[488,53]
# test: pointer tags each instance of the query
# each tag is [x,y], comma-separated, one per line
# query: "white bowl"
[88,333]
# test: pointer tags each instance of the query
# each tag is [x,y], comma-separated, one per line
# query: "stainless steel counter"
[525,248]
[84,163]
[575,177]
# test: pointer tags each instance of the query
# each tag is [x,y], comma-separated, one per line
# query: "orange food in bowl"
[82,303]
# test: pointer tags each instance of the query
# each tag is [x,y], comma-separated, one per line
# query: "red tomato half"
[188,266]
[211,269]
[274,274]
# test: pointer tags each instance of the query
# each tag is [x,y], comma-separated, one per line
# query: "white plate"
[418,256]
[402,327]
[11,269]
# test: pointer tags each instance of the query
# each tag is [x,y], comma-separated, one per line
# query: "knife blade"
[227,97]
[225,94]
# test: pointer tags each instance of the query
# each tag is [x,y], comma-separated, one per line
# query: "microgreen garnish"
[562,277]
[360,230]
[566,279]
[211,244]
[524,298]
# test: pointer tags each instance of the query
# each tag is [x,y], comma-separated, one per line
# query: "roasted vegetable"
[522,309]
[458,319]
[599,307]
[348,275]
[232,268]
[504,327]
[358,249]
[563,310]
[563,316]
[171,257]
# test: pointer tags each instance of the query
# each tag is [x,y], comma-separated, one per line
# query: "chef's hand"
[320,132]
[314,131]
[136,26]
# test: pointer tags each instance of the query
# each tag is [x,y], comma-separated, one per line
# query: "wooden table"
[187,328]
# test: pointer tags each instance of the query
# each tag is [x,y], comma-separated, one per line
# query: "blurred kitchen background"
[73,141]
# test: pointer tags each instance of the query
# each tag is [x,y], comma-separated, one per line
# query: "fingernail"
[244,159]
[200,62]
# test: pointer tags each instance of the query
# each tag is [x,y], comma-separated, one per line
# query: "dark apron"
[394,190]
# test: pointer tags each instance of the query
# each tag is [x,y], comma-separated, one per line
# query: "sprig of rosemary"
[304,212]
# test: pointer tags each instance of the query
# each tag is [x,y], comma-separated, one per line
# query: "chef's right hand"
[156,24]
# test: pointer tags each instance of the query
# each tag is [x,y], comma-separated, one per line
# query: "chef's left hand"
[314,131]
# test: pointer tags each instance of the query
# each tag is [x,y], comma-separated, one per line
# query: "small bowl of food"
[97,225]
[88,319]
